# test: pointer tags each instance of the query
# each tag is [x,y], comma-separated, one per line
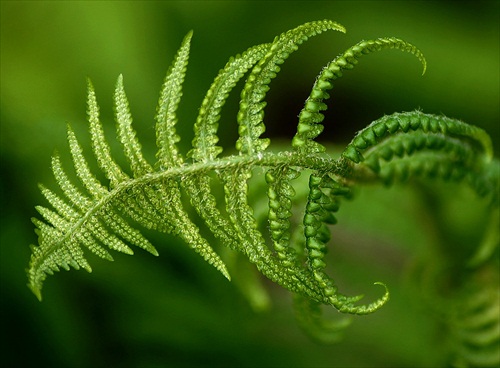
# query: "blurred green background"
[175,310]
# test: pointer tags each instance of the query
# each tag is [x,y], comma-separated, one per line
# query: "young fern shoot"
[397,147]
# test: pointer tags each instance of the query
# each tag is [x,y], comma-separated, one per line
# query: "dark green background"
[175,310]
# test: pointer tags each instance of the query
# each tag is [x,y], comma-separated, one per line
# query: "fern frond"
[94,216]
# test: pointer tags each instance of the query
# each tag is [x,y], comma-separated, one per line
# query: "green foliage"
[402,147]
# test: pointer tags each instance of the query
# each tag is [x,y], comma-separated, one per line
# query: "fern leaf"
[126,134]
[207,122]
[64,210]
[187,230]
[166,136]
[399,146]
[71,192]
[241,216]
[322,203]
[93,216]
[310,118]
[93,186]
[205,203]
[100,147]
[251,114]
[417,121]
[280,193]
[205,140]
[168,156]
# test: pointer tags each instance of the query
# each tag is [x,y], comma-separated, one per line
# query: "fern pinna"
[394,148]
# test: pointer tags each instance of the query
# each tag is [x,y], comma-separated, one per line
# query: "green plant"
[401,147]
